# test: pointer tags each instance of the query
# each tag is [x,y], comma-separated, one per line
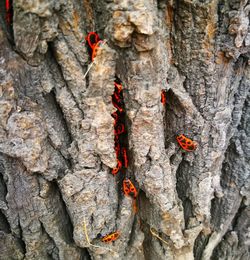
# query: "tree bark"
[57,193]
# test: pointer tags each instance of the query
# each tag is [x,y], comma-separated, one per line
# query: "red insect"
[125,157]
[95,49]
[111,237]
[117,105]
[93,43]
[129,188]
[117,150]
[118,87]
[116,139]
[92,38]
[186,143]
[119,129]
[9,11]
[115,115]
[117,168]
[117,97]
[163,97]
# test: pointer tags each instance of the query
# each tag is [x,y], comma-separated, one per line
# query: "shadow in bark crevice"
[21,238]
[234,240]
[173,118]
[7,28]
[149,245]
[182,187]
[50,98]
[68,225]
[235,221]
[59,72]
[53,252]
[4,224]
[199,245]
[3,186]
[54,110]
[85,254]
[220,209]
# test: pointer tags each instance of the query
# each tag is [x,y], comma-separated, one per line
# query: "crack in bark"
[66,215]
[21,237]
[52,51]
[54,252]
[182,189]
[4,224]
[3,186]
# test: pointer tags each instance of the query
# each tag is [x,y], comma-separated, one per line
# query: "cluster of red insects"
[119,128]
[93,43]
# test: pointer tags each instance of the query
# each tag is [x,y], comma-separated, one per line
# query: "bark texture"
[57,193]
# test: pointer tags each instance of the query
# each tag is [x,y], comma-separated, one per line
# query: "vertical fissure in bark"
[219,204]
[121,142]
[59,70]
[199,245]
[220,14]
[147,240]
[3,186]
[238,215]
[50,99]
[21,238]
[151,242]
[122,72]
[52,249]
[5,24]
[69,227]
[132,233]
[85,254]
[174,109]
[4,224]
[182,186]
[231,237]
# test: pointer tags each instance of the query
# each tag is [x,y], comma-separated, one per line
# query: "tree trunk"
[57,193]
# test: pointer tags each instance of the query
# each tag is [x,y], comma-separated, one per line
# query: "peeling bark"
[57,193]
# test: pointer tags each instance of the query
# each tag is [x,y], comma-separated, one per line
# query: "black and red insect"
[117,168]
[163,97]
[92,38]
[111,237]
[117,97]
[125,157]
[119,128]
[186,143]
[129,188]
[95,49]
[9,11]
[93,43]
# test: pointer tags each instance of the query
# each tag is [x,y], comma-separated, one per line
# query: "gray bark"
[57,193]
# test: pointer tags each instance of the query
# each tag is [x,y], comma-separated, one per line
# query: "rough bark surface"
[57,193]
